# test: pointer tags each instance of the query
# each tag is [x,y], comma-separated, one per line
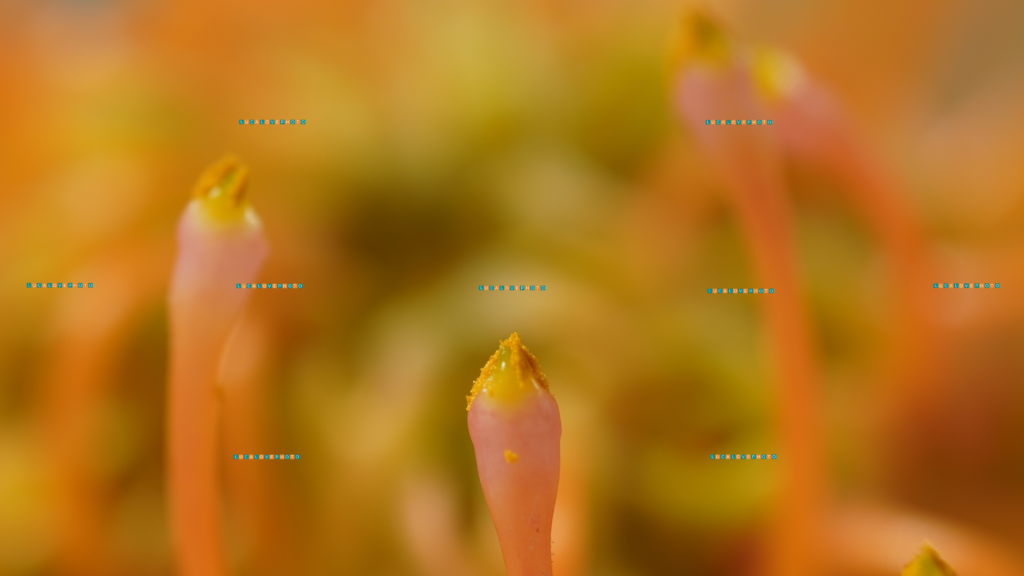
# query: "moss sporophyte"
[516,431]
[219,242]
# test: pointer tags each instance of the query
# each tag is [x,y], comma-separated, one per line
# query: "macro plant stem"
[812,127]
[516,429]
[220,242]
[709,84]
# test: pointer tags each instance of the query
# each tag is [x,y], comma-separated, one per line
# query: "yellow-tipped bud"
[221,189]
[511,372]
[776,73]
[928,563]
[701,39]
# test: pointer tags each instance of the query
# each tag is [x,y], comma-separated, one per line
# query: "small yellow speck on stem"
[511,457]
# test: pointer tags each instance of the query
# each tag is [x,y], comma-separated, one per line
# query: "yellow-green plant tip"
[776,73]
[928,563]
[509,373]
[221,189]
[702,39]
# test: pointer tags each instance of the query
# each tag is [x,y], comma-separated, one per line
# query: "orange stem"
[752,169]
[220,243]
[192,426]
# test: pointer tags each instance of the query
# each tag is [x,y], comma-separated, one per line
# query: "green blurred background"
[453,143]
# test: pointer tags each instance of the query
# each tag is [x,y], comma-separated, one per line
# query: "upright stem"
[192,432]
[251,491]
[763,216]
[752,170]
[220,243]
[813,127]
[90,326]
[73,393]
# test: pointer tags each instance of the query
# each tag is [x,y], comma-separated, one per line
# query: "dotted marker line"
[741,290]
[271,122]
[738,122]
[742,457]
[511,288]
[966,285]
[264,285]
[266,456]
[59,285]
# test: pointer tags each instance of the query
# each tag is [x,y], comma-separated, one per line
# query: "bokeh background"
[453,143]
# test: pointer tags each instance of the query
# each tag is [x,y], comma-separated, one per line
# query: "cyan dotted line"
[271,122]
[740,290]
[58,284]
[739,122]
[266,456]
[511,288]
[965,285]
[741,457]
[270,285]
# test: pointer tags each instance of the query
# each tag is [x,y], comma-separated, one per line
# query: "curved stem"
[752,171]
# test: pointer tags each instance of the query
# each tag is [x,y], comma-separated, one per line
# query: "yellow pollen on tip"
[511,457]
[927,563]
[509,373]
[221,190]
[776,73]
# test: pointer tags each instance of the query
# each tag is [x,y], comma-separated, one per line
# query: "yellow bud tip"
[701,39]
[509,373]
[928,563]
[511,457]
[776,73]
[221,189]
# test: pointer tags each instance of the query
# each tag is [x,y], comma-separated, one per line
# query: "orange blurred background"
[454,143]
